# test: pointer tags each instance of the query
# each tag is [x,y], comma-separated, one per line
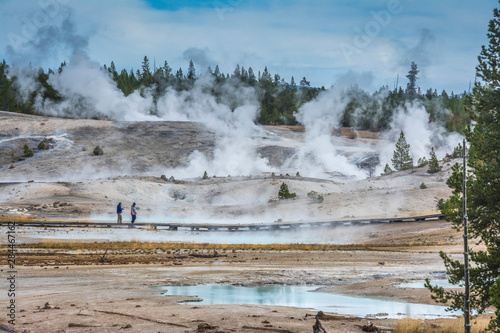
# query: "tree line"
[278,99]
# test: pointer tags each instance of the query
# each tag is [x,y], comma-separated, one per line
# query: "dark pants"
[134,217]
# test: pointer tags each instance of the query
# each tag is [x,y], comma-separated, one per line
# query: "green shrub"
[27,151]
[387,169]
[433,163]
[318,198]
[284,193]
[41,145]
[298,174]
[422,162]
[423,186]
[98,150]
[205,175]
[458,152]
[440,204]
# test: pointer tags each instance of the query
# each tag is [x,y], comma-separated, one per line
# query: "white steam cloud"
[318,154]
[420,134]
[88,91]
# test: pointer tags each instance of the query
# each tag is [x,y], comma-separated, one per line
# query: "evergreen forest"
[279,99]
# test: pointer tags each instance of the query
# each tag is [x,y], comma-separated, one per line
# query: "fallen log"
[142,318]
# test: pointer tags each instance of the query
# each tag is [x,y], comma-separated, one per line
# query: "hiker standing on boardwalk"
[133,212]
[119,211]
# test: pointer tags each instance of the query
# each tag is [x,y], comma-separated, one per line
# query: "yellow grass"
[17,218]
[85,245]
[440,325]
[82,245]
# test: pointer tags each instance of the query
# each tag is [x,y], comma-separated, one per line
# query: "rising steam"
[88,91]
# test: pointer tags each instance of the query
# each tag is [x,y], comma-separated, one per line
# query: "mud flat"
[85,286]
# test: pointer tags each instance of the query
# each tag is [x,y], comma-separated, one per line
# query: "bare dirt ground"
[67,288]
[87,294]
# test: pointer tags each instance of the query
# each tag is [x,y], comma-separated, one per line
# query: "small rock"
[205,327]
[370,328]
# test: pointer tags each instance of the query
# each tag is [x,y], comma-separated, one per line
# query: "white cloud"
[292,38]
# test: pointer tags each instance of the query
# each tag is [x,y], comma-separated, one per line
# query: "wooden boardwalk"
[175,226]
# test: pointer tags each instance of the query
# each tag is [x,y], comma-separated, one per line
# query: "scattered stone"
[203,327]
[79,325]
[171,179]
[11,166]
[370,328]
[164,177]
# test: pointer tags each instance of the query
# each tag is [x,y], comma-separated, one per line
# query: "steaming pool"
[307,297]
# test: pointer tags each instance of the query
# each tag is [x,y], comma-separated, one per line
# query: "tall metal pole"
[467,325]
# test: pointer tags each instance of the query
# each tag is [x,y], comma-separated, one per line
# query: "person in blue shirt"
[119,211]
[133,212]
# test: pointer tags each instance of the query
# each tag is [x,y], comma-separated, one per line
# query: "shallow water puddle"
[420,284]
[307,297]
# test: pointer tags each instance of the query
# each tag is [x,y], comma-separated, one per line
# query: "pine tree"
[411,88]
[27,151]
[284,192]
[433,163]
[401,159]
[191,75]
[266,76]
[387,169]
[458,151]
[244,74]
[167,72]
[483,189]
[237,72]
[422,162]
[145,67]
[112,69]
[251,77]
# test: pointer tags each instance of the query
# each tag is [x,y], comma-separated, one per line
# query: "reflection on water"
[303,297]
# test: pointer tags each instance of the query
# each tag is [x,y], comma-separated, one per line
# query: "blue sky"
[368,42]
